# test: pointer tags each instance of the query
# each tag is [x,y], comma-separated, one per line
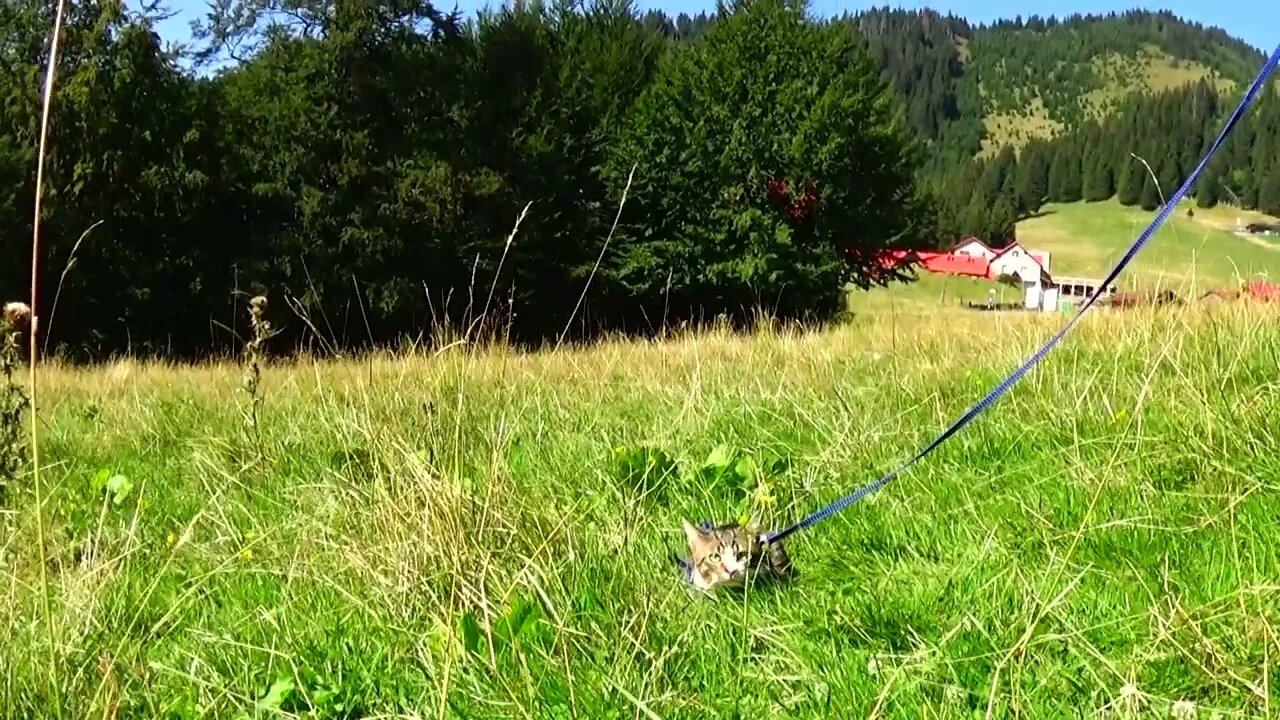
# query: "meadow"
[469,531]
[1189,255]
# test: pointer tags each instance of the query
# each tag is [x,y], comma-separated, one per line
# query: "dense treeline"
[1061,61]
[938,63]
[365,165]
[1138,156]
[920,55]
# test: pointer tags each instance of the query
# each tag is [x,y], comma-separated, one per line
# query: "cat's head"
[719,556]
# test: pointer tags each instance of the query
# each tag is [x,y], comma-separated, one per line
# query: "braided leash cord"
[985,403]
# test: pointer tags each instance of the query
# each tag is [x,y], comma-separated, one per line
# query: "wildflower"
[246,554]
[1121,415]
[258,305]
[763,495]
[170,539]
[1183,710]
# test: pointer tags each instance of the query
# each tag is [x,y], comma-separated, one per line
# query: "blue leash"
[1258,84]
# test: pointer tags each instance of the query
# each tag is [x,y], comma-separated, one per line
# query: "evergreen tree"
[996,175]
[1170,178]
[1058,173]
[389,144]
[1002,223]
[1032,182]
[1099,184]
[1149,197]
[1129,183]
[1269,195]
[1207,187]
[1249,189]
[1072,183]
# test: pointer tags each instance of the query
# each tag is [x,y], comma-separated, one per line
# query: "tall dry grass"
[443,534]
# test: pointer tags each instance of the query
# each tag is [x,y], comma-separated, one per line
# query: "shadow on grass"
[1038,214]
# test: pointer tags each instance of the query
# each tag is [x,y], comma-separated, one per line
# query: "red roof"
[938,262]
[1263,290]
[952,264]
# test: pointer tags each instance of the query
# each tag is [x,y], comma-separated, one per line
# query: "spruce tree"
[1207,187]
[1249,189]
[1129,183]
[1058,174]
[1001,222]
[1032,183]
[1098,185]
[1149,197]
[1269,195]
[1170,178]
[1072,189]
[996,174]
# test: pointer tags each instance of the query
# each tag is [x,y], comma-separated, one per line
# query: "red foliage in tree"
[800,208]
[777,188]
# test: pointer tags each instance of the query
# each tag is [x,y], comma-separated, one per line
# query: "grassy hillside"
[1116,75]
[1021,79]
[449,535]
[1188,255]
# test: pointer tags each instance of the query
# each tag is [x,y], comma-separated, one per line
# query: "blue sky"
[1256,22]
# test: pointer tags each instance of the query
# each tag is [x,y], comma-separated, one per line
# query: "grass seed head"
[13,398]
[16,316]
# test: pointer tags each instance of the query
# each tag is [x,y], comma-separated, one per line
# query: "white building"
[973,247]
[1077,290]
[1015,262]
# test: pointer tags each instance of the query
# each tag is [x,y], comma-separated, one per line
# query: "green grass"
[451,534]
[1187,255]
[1110,524]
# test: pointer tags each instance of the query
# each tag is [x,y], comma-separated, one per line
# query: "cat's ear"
[692,533]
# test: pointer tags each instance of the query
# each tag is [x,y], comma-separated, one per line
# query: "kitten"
[728,554]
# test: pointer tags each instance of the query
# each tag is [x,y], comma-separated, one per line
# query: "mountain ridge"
[972,88]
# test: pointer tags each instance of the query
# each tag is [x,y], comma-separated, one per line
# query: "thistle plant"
[14,320]
[260,328]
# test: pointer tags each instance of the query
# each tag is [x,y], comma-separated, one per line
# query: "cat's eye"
[713,557]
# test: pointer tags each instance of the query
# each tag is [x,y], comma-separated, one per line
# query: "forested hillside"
[1028,111]
[366,164]
[964,84]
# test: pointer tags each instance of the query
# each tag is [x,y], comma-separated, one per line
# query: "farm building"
[1014,263]
[1025,269]
[973,247]
[950,264]
[1075,289]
